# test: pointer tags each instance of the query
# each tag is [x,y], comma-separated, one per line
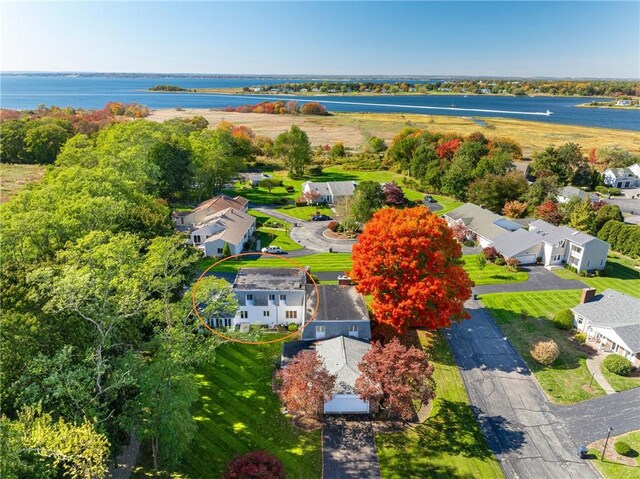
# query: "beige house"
[186,220]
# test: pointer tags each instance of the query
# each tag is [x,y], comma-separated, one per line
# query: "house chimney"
[587,295]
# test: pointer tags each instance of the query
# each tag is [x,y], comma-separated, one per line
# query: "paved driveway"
[348,449]
[513,413]
[588,421]
[540,279]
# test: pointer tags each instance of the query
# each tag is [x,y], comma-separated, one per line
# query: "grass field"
[238,412]
[353,129]
[621,383]
[620,275]
[525,316]
[262,196]
[491,274]
[614,470]
[449,444]
[14,177]
[329,262]
[305,213]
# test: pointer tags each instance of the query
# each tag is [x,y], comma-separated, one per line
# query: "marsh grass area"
[526,316]
[449,443]
[353,129]
[238,412]
[14,177]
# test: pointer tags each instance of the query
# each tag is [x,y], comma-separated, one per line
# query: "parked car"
[272,249]
[429,199]
[320,218]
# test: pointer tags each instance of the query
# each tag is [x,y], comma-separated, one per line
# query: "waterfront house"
[622,177]
[330,192]
[227,227]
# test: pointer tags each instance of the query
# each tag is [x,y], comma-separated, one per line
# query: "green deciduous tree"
[294,148]
[583,217]
[368,198]
[42,142]
[493,191]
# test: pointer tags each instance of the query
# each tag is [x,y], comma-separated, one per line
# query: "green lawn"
[274,232]
[238,413]
[621,383]
[305,213]
[613,470]
[262,196]
[525,316]
[330,262]
[620,275]
[491,274]
[449,444]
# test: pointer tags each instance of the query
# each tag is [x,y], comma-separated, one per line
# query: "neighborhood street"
[521,428]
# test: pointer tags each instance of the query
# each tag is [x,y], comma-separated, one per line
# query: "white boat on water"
[549,113]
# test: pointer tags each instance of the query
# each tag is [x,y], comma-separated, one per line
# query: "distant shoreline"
[233,91]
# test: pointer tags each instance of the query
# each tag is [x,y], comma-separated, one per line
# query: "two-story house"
[227,227]
[330,192]
[270,296]
[186,220]
[622,177]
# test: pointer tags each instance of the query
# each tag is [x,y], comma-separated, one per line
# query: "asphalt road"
[515,417]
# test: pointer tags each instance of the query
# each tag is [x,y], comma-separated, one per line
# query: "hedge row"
[622,237]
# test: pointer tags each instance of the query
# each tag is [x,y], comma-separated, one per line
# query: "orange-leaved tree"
[409,262]
[306,384]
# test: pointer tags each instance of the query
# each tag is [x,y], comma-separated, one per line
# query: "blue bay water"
[29,91]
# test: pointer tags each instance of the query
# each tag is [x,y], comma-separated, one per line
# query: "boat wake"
[387,105]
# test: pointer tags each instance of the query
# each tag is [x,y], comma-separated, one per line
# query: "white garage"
[346,404]
[341,356]
[529,258]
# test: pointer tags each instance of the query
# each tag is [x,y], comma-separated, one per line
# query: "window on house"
[244,314]
[577,249]
[588,263]
[266,314]
[283,297]
[272,297]
[196,239]
[353,330]
[249,297]
[220,250]
[291,314]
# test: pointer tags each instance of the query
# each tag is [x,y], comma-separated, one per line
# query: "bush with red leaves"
[255,465]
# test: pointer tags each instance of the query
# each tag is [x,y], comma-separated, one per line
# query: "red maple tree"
[548,211]
[255,465]
[306,384]
[448,149]
[393,377]
[409,262]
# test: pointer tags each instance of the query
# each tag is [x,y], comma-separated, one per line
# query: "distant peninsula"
[168,88]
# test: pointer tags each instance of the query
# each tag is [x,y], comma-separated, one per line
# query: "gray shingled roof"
[482,221]
[270,278]
[236,224]
[512,243]
[342,188]
[337,303]
[617,311]
[341,357]
[321,188]
[552,234]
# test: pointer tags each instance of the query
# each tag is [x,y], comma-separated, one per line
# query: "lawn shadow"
[620,271]
[450,431]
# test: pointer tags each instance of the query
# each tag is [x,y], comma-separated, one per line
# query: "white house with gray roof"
[229,226]
[612,320]
[568,192]
[549,244]
[622,177]
[270,296]
[483,225]
[330,192]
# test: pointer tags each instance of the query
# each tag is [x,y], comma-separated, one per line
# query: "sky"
[557,39]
